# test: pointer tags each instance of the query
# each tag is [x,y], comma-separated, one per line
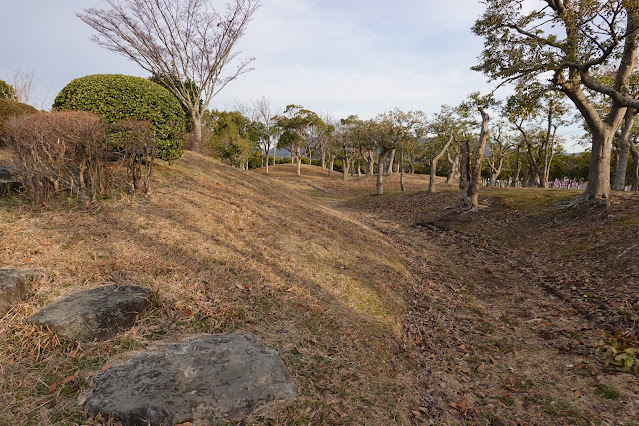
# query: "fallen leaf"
[240,286]
[82,398]
[68,379]
[463,404]
[52,387]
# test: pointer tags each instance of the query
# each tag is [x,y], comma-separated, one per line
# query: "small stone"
[96,314]
[15,284]
[203,380]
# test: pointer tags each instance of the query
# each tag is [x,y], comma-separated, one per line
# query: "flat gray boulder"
[15,284]
[96,314]
[203,380]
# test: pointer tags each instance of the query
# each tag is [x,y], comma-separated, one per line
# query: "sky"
[339,57]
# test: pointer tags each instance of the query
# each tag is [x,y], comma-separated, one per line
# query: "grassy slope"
[224,250]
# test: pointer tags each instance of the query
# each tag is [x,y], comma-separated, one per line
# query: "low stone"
[15,284]
[96,314]
[204,380]
[9,182]
[7,173]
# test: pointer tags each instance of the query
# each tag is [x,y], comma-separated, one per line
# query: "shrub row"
[70,151]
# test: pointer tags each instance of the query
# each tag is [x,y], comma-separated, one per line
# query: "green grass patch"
[607,392]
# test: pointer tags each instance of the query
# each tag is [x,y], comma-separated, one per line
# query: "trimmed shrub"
[120,97]
[59,151]
[6,91]
[10,109]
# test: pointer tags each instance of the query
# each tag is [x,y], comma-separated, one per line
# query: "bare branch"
[187,44]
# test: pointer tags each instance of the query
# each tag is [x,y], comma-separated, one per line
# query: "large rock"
[203,380]
[96,314]
[15,284]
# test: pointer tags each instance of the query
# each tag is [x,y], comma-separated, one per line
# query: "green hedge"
[120,97]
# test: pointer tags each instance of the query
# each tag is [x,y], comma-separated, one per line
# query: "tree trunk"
[465,183]
[371,163]
[345,164]
[635,167]
[268,148]
[323,158]
[515,176]
[433,164]
[470,183]
[380,173]
[389,169]
[619,180]
[330,166]
[401,169]
[549,153]
[495,171]
[454,168]
[196,118]
[298,171]
[599,175]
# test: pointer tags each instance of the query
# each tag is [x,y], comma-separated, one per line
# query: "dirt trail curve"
[495,343]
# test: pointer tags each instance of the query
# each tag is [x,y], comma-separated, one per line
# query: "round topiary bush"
[6,91]
[10,108]
[121,97]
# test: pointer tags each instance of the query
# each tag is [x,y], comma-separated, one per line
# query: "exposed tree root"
[585,200]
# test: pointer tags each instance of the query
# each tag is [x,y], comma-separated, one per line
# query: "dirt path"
[496,344]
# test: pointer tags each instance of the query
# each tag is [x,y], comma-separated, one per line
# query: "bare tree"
[185,43]
[499,147]
[265,116]
[22,83]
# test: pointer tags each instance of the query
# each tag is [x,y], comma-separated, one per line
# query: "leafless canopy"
[188,43]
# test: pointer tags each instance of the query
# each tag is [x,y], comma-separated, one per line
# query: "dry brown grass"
[379,321]
[223,250]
